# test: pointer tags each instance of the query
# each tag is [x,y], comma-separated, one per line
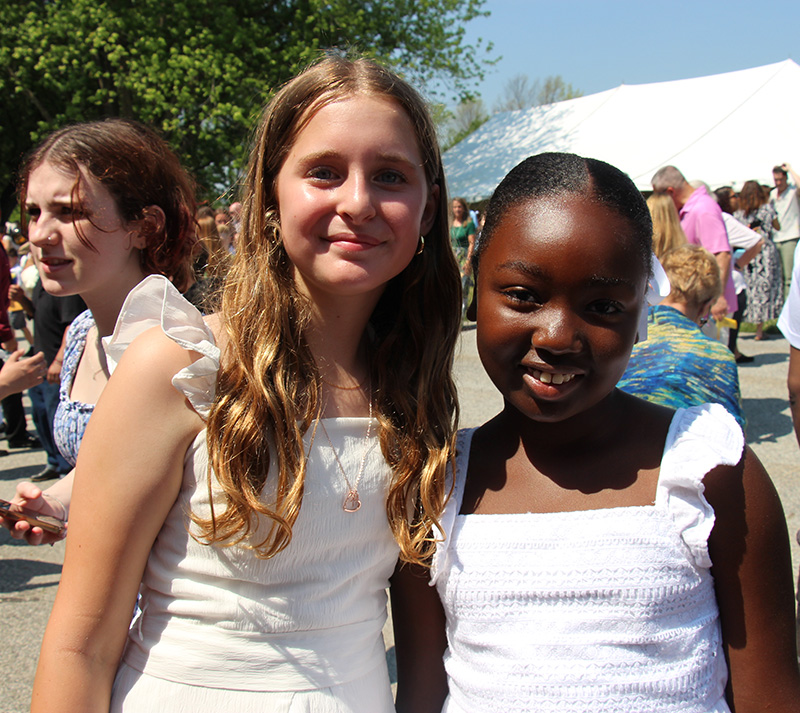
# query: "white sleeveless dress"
[220,629]
[606,611]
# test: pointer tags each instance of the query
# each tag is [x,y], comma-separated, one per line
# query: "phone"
[46,522]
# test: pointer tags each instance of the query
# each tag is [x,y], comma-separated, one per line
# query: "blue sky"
[598,44]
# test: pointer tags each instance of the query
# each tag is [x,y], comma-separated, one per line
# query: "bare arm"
[749,254]
[793,382]
[420,641]
[127,478]
[749,548]
[795,177]
[721,307]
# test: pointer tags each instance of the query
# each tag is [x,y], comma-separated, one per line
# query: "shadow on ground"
[16,575]
[765,359]
[765,422]
[23,472]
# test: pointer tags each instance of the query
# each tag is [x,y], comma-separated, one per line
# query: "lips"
[353,242]
[52,265]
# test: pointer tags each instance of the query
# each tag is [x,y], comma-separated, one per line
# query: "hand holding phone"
[47,523]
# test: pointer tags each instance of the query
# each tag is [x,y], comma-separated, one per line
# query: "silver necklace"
[352,503]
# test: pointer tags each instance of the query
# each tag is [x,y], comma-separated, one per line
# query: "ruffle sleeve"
[453,506]
[155,302]
[700,438]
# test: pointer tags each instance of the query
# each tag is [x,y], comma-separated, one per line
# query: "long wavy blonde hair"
[268,391]
[667,231]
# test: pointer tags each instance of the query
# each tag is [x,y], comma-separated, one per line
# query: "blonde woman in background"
[667,231]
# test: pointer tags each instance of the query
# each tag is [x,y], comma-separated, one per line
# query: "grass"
[770,327]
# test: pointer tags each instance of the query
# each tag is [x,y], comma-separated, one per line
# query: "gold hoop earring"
[421,245]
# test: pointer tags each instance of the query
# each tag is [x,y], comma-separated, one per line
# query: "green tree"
[200,70]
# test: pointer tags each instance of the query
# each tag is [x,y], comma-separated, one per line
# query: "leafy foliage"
[200,70]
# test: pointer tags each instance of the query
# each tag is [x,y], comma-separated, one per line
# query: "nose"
[356,200]
[556,331]
[42,232]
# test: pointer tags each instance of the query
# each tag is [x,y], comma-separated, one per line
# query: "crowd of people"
[253,425]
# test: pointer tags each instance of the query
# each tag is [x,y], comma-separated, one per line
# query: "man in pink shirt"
[701,220]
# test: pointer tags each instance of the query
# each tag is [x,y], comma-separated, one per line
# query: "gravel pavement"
[29,575]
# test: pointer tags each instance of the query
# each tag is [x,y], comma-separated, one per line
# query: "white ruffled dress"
[606,611]
[220,629]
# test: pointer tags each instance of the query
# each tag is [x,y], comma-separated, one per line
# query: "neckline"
[465,447]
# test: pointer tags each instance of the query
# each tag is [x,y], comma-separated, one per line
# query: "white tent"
[723,129]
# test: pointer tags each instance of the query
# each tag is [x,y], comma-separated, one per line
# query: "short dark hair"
[552,174]
[780,169]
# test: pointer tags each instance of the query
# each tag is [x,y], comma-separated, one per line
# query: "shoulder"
[145,382]
[154,353]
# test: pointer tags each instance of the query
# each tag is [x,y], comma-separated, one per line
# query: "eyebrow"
[602,280]
[528,268]
[388,157]
[54,201]
[533,270]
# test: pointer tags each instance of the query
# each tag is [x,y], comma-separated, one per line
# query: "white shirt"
[788,210]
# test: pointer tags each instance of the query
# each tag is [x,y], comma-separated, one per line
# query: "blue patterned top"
[679,366]
[71,417]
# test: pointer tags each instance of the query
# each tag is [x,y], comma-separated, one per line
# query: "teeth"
[546,377]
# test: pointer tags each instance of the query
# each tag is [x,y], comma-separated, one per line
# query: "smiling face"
[560,287]
[67,265]
[353,198]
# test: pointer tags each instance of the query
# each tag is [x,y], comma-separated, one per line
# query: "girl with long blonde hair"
[301,439]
